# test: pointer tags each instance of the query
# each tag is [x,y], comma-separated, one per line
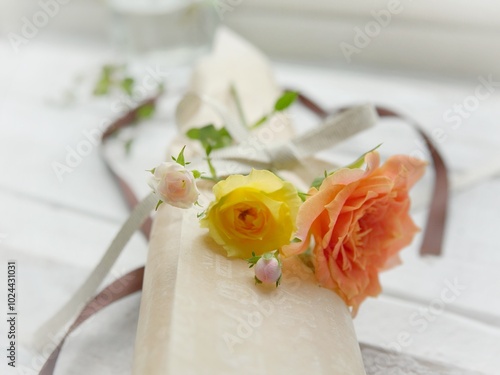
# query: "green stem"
[239,108]
[209,179]
[211,168]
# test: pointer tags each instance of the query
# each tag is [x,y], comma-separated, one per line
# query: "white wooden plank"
[59,234]
[447,338]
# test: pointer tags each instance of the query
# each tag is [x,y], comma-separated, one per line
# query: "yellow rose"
[252,213]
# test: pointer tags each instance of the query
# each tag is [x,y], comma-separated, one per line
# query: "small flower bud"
[268,270]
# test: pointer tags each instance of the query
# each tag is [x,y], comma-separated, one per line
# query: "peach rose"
[359,220]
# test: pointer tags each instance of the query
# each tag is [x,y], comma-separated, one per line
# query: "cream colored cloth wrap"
[201,312]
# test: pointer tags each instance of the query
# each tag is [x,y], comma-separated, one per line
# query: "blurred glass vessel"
[167,32]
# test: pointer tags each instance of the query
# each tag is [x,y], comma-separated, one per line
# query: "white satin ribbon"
[244,156]
[75,304]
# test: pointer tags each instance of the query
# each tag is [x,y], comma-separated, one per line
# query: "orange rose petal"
[403,169]
[334,209]
[360,221]
[308,213]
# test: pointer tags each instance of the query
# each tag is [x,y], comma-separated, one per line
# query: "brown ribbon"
[131,117]
[121,288]
[132,282]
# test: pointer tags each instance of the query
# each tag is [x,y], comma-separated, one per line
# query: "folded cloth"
[202,313]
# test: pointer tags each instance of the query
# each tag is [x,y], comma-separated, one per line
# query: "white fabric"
[202,313]
[245,69]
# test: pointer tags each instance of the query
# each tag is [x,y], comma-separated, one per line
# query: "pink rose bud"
[174,185]
[268,270]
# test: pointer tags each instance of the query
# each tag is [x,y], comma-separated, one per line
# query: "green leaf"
[208,135]
[127,85]
[354,165]
[158,204]
[262,120]
[105,81]
[253,260]
[317,182]
[152,171]
[145,111]
[257,281]
[286,100]
[196,173]
[102,87]
[180,158]
[208,150]
[361,160]
[194,133]
[296,240]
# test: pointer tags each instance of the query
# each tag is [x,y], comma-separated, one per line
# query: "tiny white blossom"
[174,185]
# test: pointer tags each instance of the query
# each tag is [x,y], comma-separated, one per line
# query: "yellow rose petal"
[254,213]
